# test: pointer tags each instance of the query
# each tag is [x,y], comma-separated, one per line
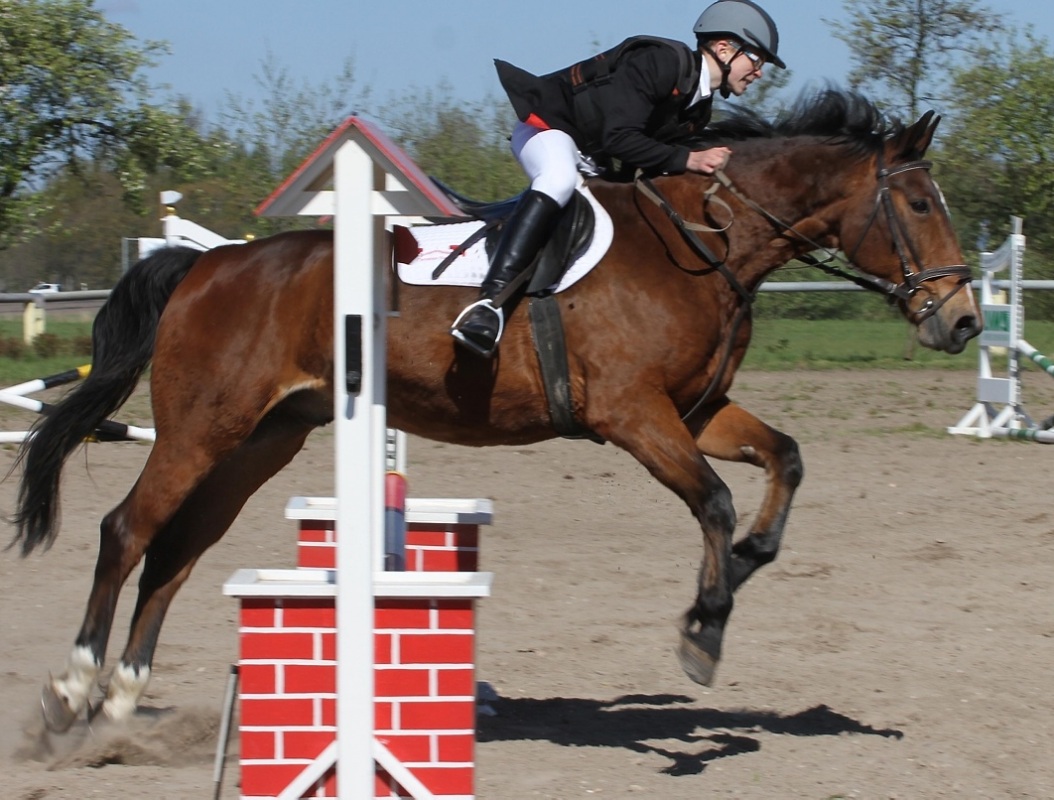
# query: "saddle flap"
[571,238]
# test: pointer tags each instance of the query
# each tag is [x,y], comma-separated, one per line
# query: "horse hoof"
[58,716]
[696,662]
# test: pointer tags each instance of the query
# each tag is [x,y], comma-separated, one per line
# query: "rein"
[904,291]
[688,233]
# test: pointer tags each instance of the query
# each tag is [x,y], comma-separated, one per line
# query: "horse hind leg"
[733,434]
[66,696]
[199,523]
[171,473]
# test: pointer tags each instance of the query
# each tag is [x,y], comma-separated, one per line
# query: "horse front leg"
[732,434]
[661,442]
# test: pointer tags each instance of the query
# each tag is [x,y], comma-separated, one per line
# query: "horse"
[241,343]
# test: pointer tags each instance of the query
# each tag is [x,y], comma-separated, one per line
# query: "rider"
[629,103]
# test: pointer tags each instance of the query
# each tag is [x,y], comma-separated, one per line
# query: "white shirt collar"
[702,91]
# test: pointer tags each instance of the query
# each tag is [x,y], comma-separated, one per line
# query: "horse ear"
[912,144]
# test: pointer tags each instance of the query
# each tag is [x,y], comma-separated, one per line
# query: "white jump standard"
[372,183]
[998,411]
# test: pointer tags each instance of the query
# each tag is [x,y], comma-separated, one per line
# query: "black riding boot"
[480,325]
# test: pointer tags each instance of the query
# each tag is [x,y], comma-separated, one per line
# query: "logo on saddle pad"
[418,261]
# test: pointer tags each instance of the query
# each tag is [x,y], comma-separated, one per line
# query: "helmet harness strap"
[725,67]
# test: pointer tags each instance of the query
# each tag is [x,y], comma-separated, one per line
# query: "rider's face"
[745,65]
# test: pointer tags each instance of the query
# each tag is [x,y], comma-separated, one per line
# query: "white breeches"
[551,160]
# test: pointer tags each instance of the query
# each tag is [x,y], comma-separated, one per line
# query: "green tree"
[257,143]
[71,89]
[997,157]
[464,144]
[289,120]
[901,49]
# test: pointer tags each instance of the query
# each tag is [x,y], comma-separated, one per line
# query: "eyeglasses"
[756,60]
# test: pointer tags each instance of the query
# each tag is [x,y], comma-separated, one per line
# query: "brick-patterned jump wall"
[442,535]
[424,665]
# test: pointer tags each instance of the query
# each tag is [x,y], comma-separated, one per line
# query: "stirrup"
[457,334]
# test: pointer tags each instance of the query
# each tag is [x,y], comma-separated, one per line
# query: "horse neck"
[805,183]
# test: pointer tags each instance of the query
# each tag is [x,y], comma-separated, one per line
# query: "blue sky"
[400,45]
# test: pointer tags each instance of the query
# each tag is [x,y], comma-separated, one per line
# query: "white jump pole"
[372,182]
[359,398]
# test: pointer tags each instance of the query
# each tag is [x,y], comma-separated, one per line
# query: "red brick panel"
[320,613]
[456,747]
[317,557]
[430,547]
[329,646]
[439,561]
[261,780]
[456,682]
[402,682]
[257,678]
[310,678]
[257,613]
[446,780]
[258,745]
[424,709]
[390,613]
[436,648]
[437,715]
[316,530]
[409,748]
[383,716]
[277,712]
[457,615]
[305,744]
[263,645]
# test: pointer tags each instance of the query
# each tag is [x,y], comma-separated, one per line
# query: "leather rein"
[913,278]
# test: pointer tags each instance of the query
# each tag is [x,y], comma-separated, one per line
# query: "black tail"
[122,346]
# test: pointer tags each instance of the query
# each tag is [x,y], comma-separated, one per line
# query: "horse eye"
[920,206]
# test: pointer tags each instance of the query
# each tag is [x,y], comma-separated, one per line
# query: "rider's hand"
[706,161]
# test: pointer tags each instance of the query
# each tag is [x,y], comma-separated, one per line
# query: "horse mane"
[842,116]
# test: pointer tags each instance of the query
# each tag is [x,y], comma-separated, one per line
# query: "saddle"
[581,237]
[570,238]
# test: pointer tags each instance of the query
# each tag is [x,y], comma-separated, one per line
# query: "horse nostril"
[967,327]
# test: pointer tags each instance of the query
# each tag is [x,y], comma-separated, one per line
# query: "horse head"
[899,232]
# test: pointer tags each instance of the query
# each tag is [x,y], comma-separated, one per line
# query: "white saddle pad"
[470,268]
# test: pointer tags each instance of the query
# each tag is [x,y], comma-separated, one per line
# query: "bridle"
[913,272]
[911,269]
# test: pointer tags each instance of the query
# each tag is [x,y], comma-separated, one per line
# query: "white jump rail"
[16,396]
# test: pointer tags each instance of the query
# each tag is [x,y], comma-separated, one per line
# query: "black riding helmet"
[744,21]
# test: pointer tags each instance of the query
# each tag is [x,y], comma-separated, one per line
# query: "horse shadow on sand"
[648,724]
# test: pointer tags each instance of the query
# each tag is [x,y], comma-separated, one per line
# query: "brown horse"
[241,344]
